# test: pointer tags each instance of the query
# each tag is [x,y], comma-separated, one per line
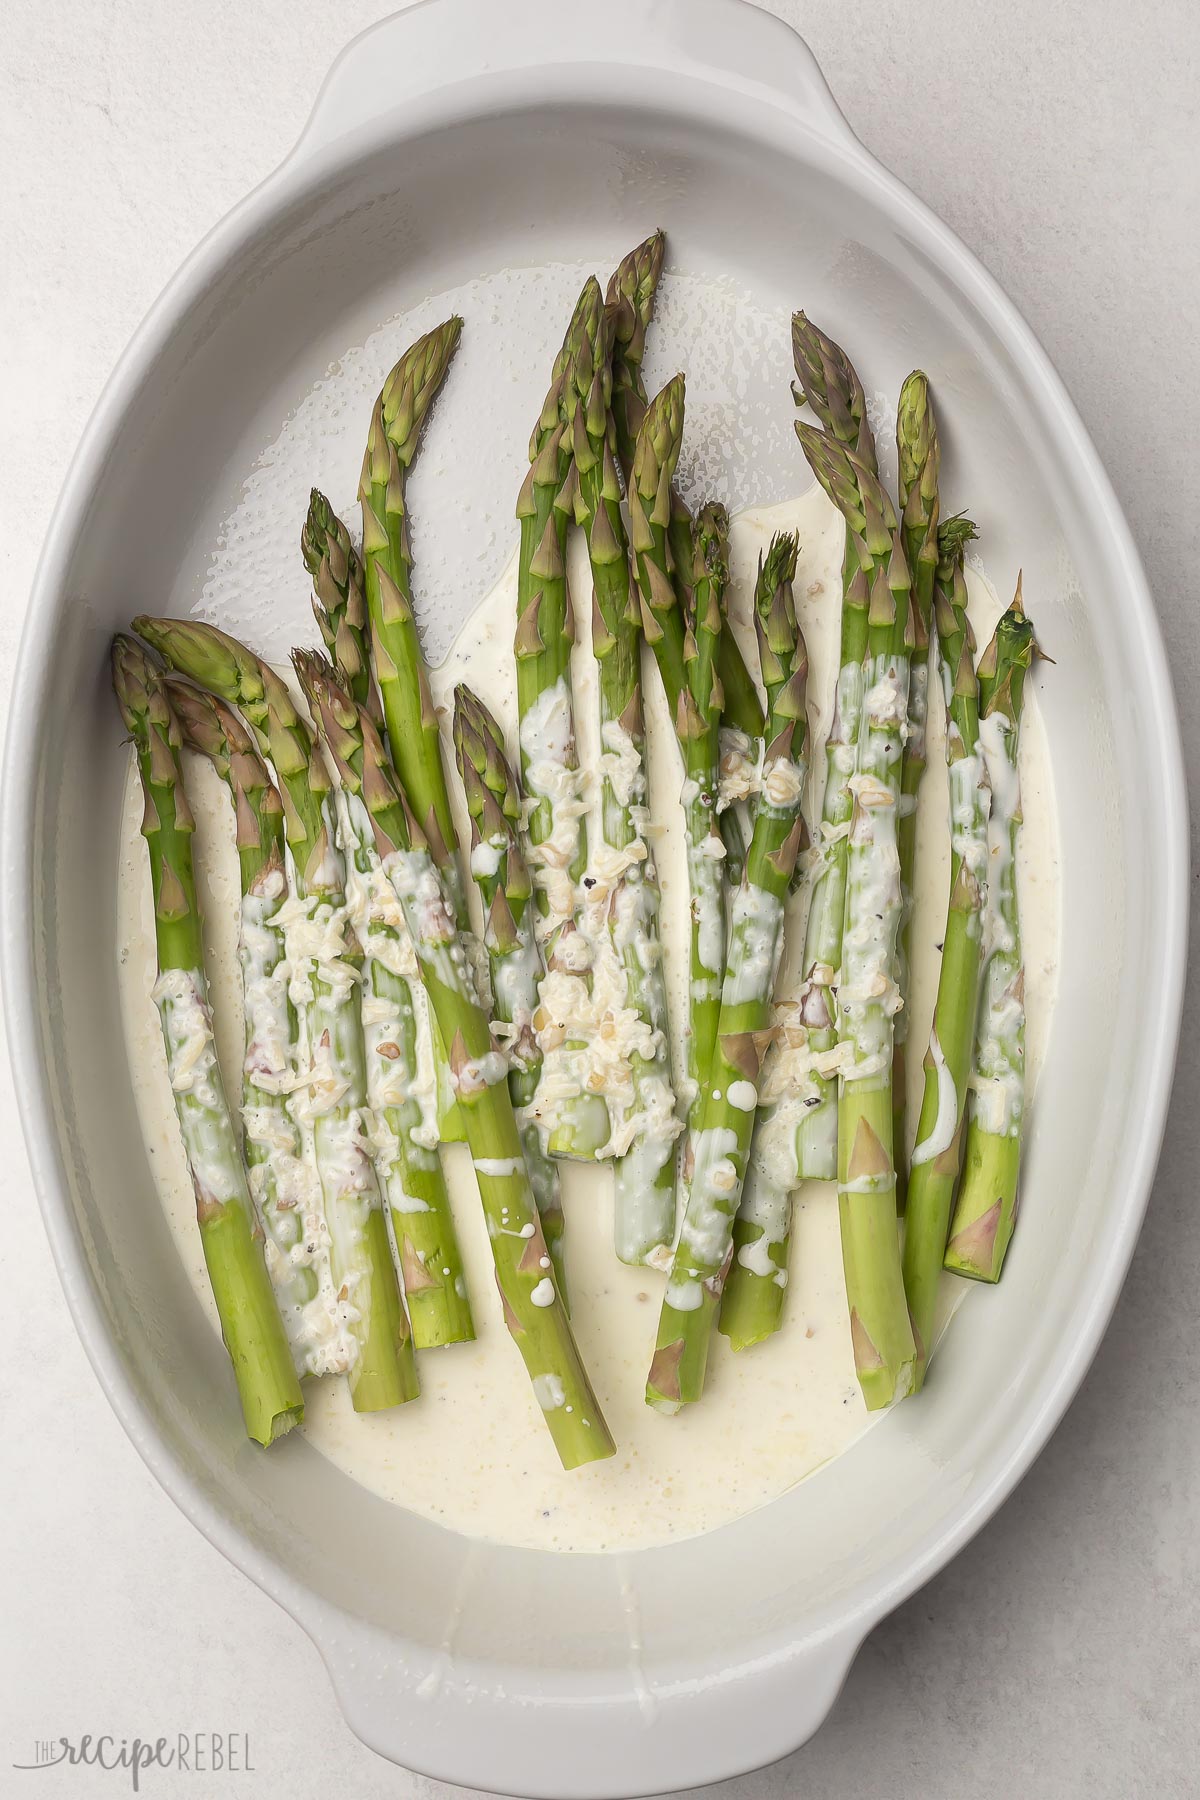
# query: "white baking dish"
[450,142]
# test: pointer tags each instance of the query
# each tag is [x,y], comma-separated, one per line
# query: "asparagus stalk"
[918,461]
[831,387]
[396,1027]
[572,1108]
[282,1184]
[413,737]
[986,1210]
[698,726]
[326,965]
[505,887]
[533,1308]
[254,1336]
[693,697]
[867,996]
[631,293]
[340,600]
[741,724]
[752,1303]
[622,903]
[414,740]
[742,718]
[937,1157]
[630,302]
[663,613]
[722,1146]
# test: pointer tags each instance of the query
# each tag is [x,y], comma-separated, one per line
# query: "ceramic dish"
[451,143]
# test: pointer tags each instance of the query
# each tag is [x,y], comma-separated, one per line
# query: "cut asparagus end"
[986,1212]
[753,1301]
[582,1135]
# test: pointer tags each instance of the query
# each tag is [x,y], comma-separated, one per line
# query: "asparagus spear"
[827,381]
[918,454]
[663,614]
[630,300]
[396,1027]
[698,726]
[986,1210]
[575,1113]
[727,1121]
[325,973]
[505,887]
[742,718]
[937,1157]
[413,737]
[414,741]
[741,724]
[533,1308]
[693,697]
[867,996]
[631,292]
[622,901]
[831,387]
[752,1303]
[231,1237]
[340,600]
[797,1135]
[282,1184]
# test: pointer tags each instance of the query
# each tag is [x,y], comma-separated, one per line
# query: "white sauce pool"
[472,1452]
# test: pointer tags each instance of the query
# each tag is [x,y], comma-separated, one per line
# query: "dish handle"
[443,45]
[648,1739]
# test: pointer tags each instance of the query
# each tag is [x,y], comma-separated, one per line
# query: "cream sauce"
[473,1452]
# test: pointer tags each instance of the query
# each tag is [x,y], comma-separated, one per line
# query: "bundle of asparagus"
[358,966]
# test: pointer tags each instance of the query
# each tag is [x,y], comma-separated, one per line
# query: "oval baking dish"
[453,141]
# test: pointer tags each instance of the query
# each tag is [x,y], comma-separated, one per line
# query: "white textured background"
[1060,1656]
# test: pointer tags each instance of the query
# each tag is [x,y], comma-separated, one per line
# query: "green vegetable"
[867,995]
[986,1210]
[533,1308]
[918,463]
[722,1142]
[937,1157]
[501,874]
[622,880]
[831,387]
[325,985]
[229,1232]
